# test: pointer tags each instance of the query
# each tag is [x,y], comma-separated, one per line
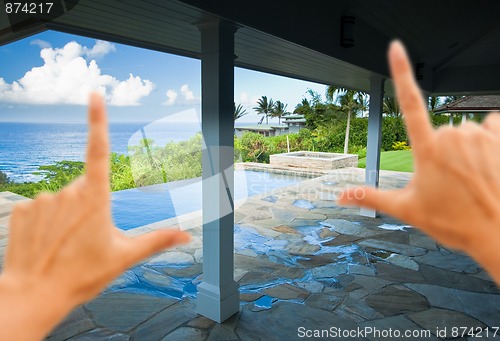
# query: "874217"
[28,7]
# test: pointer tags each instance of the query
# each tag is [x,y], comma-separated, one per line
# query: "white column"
[451,119]
[464,118]
[374,138]
[218,296]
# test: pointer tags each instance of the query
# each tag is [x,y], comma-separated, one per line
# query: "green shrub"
[4,179]
[360,150]
[400,145]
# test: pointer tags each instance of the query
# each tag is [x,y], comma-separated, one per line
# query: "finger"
[148,244]
[492,122]
[389,202]
[97,170]
[409,96]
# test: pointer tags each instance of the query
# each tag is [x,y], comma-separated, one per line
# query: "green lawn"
[397,160]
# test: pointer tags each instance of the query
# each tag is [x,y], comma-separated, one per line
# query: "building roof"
[261,127]
[472,105]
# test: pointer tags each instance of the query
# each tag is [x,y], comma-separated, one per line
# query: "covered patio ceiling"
[454,42]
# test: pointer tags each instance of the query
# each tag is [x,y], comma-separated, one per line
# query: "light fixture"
[347,31]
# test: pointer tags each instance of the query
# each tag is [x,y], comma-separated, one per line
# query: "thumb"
[390,202]
[148,244]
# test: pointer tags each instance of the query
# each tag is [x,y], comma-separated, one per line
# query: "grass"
[397,160]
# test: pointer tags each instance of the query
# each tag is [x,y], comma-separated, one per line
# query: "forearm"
[29,313]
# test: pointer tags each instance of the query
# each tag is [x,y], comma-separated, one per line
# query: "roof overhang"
[455,44]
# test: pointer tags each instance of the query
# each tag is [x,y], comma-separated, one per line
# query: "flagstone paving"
[301,261]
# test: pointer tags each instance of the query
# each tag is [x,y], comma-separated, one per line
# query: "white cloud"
[188,96]
[100,49]
[171,97]
[67,78]
[41,43]
[247,101]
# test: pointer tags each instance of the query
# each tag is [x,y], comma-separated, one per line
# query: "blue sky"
[45,78]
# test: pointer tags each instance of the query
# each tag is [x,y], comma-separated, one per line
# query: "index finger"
[97,167]
[409,96]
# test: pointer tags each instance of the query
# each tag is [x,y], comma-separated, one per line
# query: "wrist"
[34,305]
[485,249]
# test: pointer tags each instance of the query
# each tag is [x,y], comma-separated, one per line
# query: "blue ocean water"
[26,146]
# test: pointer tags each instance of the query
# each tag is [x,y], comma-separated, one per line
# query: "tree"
[315,111]
[350,101]
[264,107]
[238,111]
[279,110]
[433,103]
[391,107]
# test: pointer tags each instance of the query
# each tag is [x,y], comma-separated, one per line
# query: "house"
[470,105]
[292,123]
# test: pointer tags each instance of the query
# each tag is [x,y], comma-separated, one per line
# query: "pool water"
[141,206]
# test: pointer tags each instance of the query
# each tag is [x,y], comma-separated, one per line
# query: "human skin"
[64,248]
[454,195]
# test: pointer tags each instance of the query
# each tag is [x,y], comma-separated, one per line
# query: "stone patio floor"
[301,261]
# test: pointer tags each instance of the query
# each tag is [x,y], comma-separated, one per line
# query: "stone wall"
[314,160]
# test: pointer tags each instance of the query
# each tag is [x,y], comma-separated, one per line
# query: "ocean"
[26,146]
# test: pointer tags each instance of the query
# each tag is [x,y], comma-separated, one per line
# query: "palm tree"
[264,107]
[238,111]
[350,101]
[434,102]
[391,107]
[279,110]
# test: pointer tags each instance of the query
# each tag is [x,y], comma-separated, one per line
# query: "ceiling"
[457,42]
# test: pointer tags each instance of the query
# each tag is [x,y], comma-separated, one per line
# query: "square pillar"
[374,144]
[218,295]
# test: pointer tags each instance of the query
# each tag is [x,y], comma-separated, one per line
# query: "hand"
[64,247]
[454,195]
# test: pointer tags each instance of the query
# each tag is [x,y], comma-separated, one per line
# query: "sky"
[47,78]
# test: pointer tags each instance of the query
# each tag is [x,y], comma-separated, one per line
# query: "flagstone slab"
[311,286]
[329,271]
[396,299]
[371,283]
[451,279]
[287,292]
[186,333]
[449,261]
[398,274]
[343,239]
[346,227]
[323,301]
[101,335]
[483,307]
[402,249]
[283,320]
[201,322]
[434,318]
[172,257]
[302,248]
[165,321]
[356,269]
[250,297]
[122,312]
[402,261]
[75,323]
[357,310]
[423,241]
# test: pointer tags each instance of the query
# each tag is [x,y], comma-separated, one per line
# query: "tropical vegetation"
[335,124]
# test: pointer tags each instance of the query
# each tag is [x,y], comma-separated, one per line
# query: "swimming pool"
[141,206]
